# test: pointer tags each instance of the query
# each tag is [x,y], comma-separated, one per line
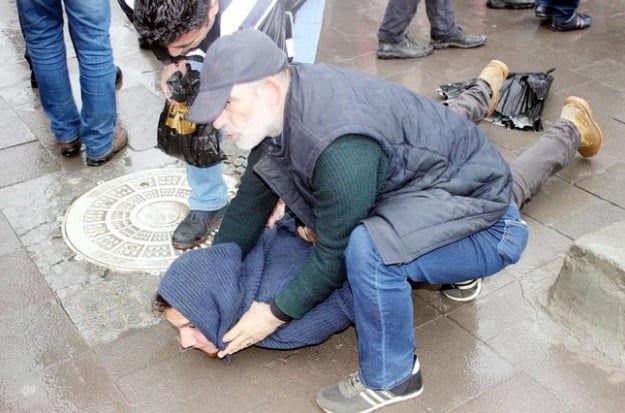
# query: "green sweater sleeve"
[247,214]
[347,177]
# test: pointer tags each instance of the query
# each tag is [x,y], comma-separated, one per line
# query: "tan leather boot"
[494,74]
[577,110]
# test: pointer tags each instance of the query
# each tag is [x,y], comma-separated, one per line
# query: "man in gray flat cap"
[396,186]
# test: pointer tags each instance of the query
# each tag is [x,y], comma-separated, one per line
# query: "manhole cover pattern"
[126,223]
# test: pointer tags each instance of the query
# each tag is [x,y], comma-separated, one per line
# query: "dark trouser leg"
[530,170]
[397,17]
[553,151]
[441,16]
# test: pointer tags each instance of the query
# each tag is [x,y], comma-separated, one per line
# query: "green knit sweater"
[347,178]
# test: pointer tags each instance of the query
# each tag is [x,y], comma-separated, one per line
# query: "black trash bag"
[522,99]
[196,144]
[521,102]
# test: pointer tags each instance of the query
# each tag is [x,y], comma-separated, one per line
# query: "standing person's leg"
[566,18]
[383,308]
[42,24]
[443,31]
[393,42]
[207,201]
[89,22]
[207,204]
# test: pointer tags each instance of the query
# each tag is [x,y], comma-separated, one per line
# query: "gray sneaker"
[351,396]
[406,49]
[458,39]
[462,291]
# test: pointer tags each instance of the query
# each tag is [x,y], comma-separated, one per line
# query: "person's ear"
[274,89]
[213,9]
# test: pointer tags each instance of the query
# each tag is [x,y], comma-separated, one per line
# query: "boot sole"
[389,56]
[456,45]
[583,105]
[188,246]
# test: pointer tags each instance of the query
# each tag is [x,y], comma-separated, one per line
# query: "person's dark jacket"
[444,180]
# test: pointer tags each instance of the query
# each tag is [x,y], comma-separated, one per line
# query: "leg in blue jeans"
[563,10]
[209,191]
[88,21]
[208,188]
[383,299]
[42,25]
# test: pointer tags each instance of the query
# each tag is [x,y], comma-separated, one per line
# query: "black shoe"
[196,228]
[119,78]
[510,4]
[120,140]
[543,12]
[458,39]
[70,149]
[463,291]
[406,49]
[577,22]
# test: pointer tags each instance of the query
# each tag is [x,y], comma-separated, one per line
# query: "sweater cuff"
[279,314]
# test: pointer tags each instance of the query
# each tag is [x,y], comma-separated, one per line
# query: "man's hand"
[277,214]
[256,324]
[168,70]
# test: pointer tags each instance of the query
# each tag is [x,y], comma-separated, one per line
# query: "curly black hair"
[159,304]
[161,22]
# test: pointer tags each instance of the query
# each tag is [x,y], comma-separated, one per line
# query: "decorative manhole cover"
[126,223]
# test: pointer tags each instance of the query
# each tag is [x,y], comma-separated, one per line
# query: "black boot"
[196,228]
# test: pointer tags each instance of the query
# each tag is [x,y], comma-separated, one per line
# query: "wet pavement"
[79,337]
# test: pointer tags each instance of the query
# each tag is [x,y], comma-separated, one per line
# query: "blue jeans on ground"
[88,22]
[383,296]
[562,9]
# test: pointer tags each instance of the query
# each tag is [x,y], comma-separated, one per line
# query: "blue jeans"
[88,22]
[383,296]
[562,9]
[209,191]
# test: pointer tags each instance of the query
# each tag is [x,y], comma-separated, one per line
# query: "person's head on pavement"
[243,87]
[200,296]
[177,25]
[205,291]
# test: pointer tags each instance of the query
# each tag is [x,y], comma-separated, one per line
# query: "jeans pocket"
[513,241]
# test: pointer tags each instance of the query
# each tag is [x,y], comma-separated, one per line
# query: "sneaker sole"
[471,297]
[583,105]
[394,400]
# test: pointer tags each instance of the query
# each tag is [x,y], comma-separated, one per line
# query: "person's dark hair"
[161,22]
[159,304]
